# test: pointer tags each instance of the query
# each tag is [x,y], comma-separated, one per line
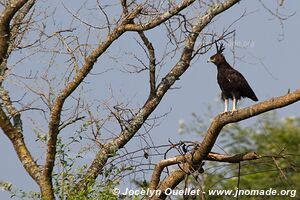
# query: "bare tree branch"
[160,19]
[152,61]
[232,159]
[138,120]
[7,15]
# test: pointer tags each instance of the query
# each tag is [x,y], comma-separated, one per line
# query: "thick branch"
[6,103]
[17,23]
[160,19]
[232,159]
[15,36]
[16,138]
[159,167]
[152,60]
[218,123]
[6,16]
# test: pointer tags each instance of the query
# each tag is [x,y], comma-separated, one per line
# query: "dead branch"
[232,159]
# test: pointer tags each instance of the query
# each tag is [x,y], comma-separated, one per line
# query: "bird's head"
[218,58]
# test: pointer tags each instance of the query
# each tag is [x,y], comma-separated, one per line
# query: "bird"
[232,83]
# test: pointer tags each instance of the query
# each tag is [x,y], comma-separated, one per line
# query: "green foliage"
[276,140]
[69,170]
[18,193]
[68,173]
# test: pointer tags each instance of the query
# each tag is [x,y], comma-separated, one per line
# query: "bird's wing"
[236,78]
[240,84]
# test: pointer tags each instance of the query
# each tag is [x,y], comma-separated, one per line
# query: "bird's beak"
[210,60]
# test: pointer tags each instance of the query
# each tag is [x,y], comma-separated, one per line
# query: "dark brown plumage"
[232,83]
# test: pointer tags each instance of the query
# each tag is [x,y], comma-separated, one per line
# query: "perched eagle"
[232,83]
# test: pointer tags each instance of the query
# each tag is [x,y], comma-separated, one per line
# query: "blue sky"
[269,64]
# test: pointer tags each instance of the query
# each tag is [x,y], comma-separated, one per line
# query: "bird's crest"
[220,48]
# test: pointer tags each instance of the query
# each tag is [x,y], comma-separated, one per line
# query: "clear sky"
[269,64]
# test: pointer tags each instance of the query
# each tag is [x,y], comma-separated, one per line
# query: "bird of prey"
[232,83]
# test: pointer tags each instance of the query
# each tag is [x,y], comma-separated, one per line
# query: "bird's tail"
[253,97]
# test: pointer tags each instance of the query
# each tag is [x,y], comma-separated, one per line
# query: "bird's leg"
[234,106]
[226,101]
